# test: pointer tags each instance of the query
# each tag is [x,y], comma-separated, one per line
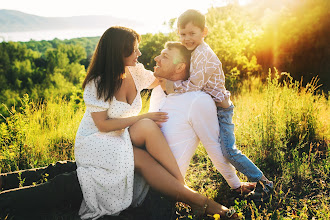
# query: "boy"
[206,74]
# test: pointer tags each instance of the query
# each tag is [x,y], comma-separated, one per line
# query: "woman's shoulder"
[91,85]
[91,97]
[90,90]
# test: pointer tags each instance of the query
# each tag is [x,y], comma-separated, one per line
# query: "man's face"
[166,63]
[191,36]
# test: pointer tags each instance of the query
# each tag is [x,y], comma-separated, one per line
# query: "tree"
[151,46]
[231,36]
[296,40]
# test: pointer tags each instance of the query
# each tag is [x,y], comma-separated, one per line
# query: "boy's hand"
[225,103]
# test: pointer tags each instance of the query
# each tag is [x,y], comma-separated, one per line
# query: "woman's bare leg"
[160,179]
[147,133]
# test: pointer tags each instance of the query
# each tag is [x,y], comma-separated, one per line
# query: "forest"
[276,63]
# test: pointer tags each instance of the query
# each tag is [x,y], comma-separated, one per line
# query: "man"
[192,117]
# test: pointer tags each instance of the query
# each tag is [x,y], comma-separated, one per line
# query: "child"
[206,74]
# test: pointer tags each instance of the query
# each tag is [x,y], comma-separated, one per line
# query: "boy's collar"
[200,45]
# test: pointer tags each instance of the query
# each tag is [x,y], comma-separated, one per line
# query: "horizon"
[141,11]
[141,16]
[153,17]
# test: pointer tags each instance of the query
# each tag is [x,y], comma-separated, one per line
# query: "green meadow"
[281,126]
[276,64]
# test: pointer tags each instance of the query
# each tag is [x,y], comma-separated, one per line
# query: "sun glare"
[244,2]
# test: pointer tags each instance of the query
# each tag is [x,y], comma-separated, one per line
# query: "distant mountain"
[15,21]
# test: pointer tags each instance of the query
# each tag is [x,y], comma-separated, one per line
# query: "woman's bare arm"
[106,124]
[154,84]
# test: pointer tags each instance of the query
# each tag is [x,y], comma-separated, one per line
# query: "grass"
[280,125]
[284,128]
[39,133]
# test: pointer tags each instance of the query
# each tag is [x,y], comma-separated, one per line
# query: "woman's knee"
[145,125]
[141,130]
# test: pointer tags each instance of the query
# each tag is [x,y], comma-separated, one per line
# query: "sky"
[153,11]
[151,15]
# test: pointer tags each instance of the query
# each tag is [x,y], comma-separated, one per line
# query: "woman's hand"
[158,117]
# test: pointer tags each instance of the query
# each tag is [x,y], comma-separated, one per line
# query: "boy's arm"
[204,66]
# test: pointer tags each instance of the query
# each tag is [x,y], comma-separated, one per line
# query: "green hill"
[15,21]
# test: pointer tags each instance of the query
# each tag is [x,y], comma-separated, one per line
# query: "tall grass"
[280,125]
[39,133]
[283,125]
[284,128]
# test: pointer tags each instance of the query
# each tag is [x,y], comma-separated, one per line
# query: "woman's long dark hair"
[107,64]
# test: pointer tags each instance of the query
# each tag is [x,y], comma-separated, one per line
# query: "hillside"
[15,21]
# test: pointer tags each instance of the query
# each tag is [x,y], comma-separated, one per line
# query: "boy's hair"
[194,16]
[184,52]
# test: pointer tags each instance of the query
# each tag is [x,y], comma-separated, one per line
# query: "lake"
[67,34]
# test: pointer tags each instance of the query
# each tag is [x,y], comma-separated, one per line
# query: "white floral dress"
[105,161]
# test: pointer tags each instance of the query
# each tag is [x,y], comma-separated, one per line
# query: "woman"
[103,147]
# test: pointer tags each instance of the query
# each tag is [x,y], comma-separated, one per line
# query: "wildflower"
[216,217]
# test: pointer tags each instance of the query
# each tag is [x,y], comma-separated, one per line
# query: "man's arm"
[203,118]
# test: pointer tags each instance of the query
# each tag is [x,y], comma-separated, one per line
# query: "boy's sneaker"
[262,191]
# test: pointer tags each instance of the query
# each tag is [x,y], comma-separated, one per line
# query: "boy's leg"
[228,146]
[61,192]
[28,177]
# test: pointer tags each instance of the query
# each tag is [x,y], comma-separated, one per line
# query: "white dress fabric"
[105,161]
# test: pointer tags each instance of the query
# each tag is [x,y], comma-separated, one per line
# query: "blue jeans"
[228,146]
